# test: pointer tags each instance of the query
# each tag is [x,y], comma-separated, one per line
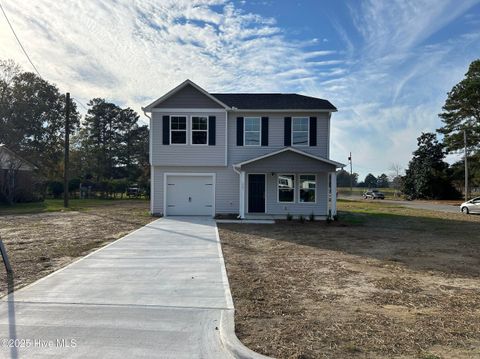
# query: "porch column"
[333,191]
[242,194]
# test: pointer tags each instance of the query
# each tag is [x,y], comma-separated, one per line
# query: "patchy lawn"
[383,282]
[40,243]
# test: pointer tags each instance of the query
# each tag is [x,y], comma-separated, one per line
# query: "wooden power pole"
[67,150]
[351,174]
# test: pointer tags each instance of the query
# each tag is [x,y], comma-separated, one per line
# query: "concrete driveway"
[159,292]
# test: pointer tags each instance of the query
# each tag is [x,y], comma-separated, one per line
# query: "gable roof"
[22,163]
[254,101]
[178,88]
[294,150]
[273,101]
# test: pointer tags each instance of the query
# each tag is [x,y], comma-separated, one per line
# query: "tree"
[343,178]
[32,118]
[370,181]
[427,175]
[462,112]
[382,181]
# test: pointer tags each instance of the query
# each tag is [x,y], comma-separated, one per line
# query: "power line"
[18,40]
[81,104]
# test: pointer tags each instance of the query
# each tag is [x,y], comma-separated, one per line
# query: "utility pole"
[67,150]
[351,175]
[466,164]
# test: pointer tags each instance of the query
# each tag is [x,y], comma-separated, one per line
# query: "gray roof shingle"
[273,101]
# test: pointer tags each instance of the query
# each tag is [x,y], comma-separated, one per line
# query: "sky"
[386,65]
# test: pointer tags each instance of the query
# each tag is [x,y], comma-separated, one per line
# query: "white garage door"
[189,195]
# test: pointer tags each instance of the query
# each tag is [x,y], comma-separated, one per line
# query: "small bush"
[301,218]
[329,217]
[289,217]
[311,217]
[335,217]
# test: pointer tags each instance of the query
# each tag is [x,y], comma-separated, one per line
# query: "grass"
[384,281]
[56,205]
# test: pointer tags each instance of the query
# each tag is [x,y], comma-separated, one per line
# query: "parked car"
[373,194]
[134,191]
[472,206]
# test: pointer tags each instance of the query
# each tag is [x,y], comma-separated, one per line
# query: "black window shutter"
[212,130]
[264,131]
[287,131]
[166,130]
[313,131]
[239,131]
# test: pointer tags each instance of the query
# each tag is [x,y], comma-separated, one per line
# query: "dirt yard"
[383,282]
[40,243]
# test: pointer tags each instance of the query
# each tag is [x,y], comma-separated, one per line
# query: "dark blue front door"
[256,193]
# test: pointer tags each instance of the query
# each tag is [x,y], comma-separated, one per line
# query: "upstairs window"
[252,131]
[286,186]
[199,130]
[307,185]
[178,130]
[300,131]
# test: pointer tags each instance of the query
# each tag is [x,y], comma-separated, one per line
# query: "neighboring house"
[16,176]
[240,153]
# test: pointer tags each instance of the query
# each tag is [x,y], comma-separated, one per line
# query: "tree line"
[108,146]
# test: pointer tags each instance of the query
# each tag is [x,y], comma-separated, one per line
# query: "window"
[178,130]
[252,131]
[300,131]
[307,188]
[286,185]
[199,130]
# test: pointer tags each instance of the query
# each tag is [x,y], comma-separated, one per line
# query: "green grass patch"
[56,205]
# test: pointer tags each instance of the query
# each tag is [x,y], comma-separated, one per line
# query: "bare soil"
[41,243]
[383,282]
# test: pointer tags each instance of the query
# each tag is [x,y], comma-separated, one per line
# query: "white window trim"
[308,131]
[186,130]
[192,130]
[259,135]
[299,188]
[294,186]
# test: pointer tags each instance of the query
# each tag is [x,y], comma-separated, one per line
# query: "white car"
[472,206]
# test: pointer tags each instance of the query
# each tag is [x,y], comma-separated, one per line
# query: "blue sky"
[386,65]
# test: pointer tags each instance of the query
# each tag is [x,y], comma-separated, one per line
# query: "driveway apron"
[159,292]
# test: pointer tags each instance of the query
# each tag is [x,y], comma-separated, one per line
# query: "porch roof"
[289,159]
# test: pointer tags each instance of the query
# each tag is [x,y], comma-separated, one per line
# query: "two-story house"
[240,153]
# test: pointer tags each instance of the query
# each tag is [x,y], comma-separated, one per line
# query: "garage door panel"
[189,195]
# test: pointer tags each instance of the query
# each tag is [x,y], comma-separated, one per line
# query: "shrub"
[311,217]
[335,217]
[301,218]
[289,217]
[55,188]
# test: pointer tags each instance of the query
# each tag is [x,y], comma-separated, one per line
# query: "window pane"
[178,123]
[252,124]
[286,188]
[179,136]
[300,124]
[199,137]
[252,138]
[199,123]
[307,188]
[300,138]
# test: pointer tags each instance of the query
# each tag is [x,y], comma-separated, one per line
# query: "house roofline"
[178,88]
[334,163]
[2,145]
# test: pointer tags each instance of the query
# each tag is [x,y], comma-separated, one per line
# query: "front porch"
[287,182]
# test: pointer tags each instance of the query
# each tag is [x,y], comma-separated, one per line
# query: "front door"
[256,193]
